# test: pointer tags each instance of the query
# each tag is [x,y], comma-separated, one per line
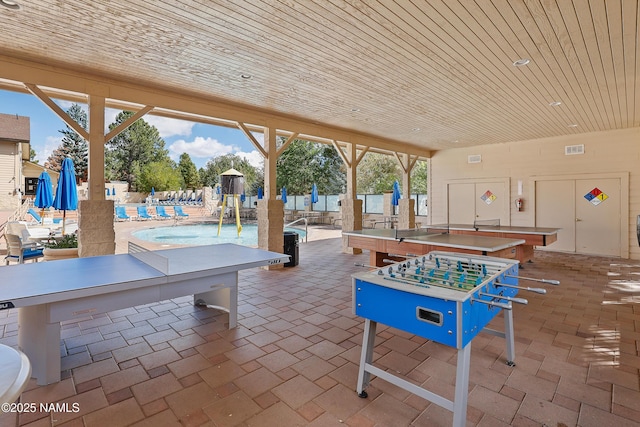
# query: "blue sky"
[201,141]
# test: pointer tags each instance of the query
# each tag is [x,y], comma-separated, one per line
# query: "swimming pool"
[203,234]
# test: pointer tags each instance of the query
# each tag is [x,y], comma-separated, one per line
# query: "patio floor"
[293,359]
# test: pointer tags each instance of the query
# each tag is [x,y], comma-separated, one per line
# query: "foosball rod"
[536,290]
[470,274]
[432,280]
[548,281]
[513,299]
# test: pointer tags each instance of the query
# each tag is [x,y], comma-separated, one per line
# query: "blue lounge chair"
[143,214]
[179,213]
[38,218]
[161,213]
[121,214]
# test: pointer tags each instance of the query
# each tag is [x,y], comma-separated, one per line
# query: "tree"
[304,163]
[73,146]
[132,149]
[32,155]
[188,171]
[419,176]
[210,174]
[376,173]
[161,176]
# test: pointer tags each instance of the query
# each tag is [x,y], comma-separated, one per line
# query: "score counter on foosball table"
[442,296]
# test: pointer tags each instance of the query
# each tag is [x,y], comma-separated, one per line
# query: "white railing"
[306,226]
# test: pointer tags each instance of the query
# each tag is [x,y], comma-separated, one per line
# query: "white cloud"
[254,158]
[51,143]
[207,148]
[170,127]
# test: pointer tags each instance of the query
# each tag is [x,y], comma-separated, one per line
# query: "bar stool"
[15,371]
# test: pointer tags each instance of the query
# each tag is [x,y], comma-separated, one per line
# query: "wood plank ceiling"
[432,74]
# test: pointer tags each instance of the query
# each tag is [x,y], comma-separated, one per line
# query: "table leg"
[508,337]
[366,356]
[224,295]
[462,387]
[40,341]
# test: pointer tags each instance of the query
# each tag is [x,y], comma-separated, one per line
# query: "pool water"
[203,234]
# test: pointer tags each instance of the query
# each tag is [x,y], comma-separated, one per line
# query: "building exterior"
[14,148]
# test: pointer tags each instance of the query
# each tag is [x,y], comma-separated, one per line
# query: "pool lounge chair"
[179,213]
[19,251]
[143,214]
[121,214]
[162,213]
[38,218]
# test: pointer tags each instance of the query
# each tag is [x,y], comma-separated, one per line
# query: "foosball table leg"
[366,356]
[508,332]
[462,387]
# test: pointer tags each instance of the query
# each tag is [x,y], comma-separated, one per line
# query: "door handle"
[578,220]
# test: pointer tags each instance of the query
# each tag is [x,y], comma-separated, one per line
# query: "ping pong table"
[533,236]
[383,243]
[48,293]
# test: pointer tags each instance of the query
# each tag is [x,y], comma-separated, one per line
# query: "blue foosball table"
[444,297]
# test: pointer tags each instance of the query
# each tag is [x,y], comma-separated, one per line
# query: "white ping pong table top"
[44,282]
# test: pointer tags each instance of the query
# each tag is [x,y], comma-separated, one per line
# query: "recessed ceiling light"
[9,4]
[415,129]
[555,103]
[521,62]
[355,110]
[245,76]
[573,125]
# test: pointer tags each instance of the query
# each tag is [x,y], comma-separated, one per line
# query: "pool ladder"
[306,226]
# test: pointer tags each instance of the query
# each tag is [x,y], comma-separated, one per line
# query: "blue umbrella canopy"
[67,192]
[260,193]
[44,191]
[243,197]
[283,192]
[153,191]
[113,191]
[108,192]
[314,193]
[396,194]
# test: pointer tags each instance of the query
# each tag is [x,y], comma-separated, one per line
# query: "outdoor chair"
[38,218]
[143,214]
[179,213]
[19,251]
[162,213]
[121,214]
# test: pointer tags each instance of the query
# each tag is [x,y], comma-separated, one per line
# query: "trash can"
[291,248]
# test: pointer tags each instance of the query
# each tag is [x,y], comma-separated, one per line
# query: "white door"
[555,208]
[473,201]
[462,207]
[587,211]
[491,199]
[598,216]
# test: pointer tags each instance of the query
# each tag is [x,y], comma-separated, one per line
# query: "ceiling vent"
[474,158]
[570,150]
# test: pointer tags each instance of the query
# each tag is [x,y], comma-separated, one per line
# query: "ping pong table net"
[150,258]
[479,223]
[416,232]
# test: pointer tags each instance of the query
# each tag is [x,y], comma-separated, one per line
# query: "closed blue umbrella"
[283,192]
[260,193]
[67,192]
[396,194]
[113,191]
[243,197]
[108,192]
[314,193]
[153,191]
[44,193]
